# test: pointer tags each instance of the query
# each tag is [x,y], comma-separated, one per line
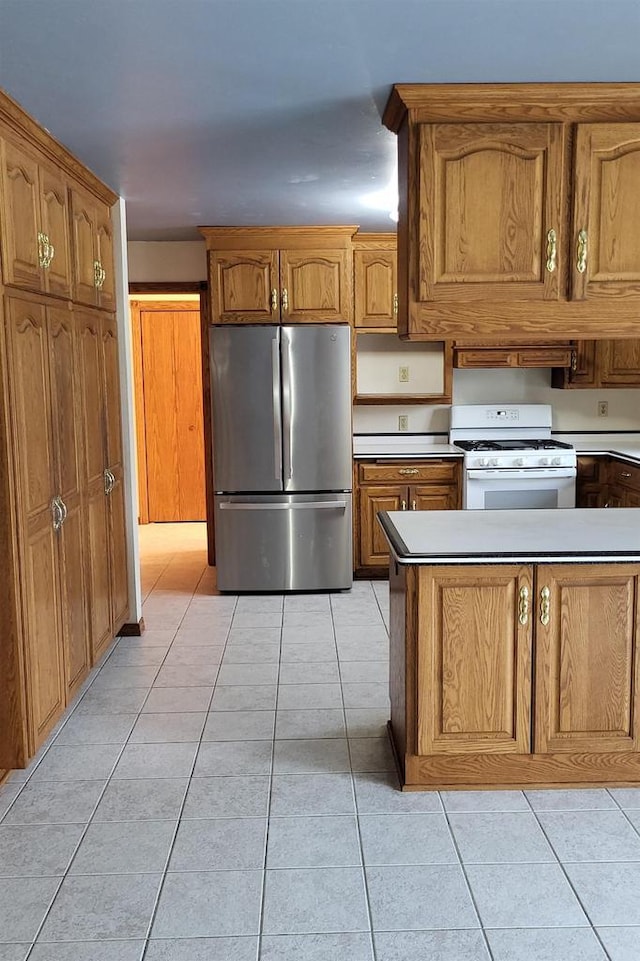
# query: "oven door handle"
[544,473]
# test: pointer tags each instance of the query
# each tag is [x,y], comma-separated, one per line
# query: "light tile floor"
[224,791]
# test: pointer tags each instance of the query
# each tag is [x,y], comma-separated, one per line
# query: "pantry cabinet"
[35,213]
[397,486]
[518,205]
[375,281]
[280,275]
[511,675]
[54,219]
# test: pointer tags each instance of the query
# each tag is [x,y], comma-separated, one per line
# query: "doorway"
[167,354]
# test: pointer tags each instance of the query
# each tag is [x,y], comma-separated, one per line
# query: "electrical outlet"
[603,408]
[403,422]
[403,375]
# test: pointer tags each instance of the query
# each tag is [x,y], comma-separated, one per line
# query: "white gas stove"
[510,458]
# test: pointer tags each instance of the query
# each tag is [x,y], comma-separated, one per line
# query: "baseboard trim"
[132,629]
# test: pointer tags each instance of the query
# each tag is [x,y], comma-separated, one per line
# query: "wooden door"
[55,225]
[586,658]
[490,194]
[84,230]
[433,498]
[105,258]
[619,363]
[375,288]
[34,446]
[605,247]
[244,286]
[314,286]
[118,577]
[171,442]
[89,330]
[67,432]
[474,660]
[374,550]
[20,218]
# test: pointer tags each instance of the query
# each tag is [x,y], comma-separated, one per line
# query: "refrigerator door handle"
[287,406]
[277,422]
[307,505]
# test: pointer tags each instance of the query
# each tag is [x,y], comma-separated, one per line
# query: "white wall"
[167,261]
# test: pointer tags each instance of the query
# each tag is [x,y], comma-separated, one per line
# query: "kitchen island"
[513,659]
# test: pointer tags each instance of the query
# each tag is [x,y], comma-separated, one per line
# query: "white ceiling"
[241,112]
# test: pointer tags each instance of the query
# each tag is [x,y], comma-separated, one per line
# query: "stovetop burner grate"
[515,444]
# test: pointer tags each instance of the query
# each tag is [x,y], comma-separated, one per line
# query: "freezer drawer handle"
[307,505]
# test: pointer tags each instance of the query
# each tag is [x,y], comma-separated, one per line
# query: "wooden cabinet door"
[314,286]
[118,579]
[490,194]
[55,224]
[432,497]
[65,404]
[605,248]
[244,286]
[34,446]
[84,230]
[584,371]
[375,288]
[20,218]
[586,658]
[104,256]
[374,550]
[619,363]
[474,660]
[89,330]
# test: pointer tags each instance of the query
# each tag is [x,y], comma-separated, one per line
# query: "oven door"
[515,489]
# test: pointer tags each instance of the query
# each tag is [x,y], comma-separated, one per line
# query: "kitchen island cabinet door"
[586,658]
[474,660]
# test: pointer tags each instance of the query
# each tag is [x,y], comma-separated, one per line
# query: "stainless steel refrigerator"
[282,456]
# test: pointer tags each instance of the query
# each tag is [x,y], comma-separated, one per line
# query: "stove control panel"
[525,461]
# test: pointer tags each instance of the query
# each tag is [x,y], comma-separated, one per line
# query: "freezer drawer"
[286,542]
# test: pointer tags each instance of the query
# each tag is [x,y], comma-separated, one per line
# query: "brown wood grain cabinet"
[518,206]
[278,275]
[515,675]
[601,363]
[375,281]
[35,212]
[59,400]
[397,486]
[473,355]
[591,481]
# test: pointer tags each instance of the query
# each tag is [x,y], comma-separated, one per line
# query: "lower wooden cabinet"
[397,486]
[514,675]
[607,481]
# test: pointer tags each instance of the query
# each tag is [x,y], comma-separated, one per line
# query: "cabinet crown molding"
[276,238]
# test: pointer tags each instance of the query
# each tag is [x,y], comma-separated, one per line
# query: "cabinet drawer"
[433,472]
[624,474]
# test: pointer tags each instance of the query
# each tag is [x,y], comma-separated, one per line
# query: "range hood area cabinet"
[518,210]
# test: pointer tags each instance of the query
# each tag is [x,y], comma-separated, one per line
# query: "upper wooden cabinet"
[518,210]
[478,354]
[280,274]
[92,246]
[35,214]
[601,363]
[375,281]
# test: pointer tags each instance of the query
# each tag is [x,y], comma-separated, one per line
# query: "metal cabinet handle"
[581,263]
[46,251]
[109,482]
[51,252]
[523,605]
[63,508]
[625,473]
[274,300]
[552,250]
[574,360]
[99,275]
[56,513]
[395,303]
[545,605]
[404,505]
[408,470]
[414,506]
[285,299]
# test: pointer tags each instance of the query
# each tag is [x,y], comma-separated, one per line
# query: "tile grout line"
[365,882]
[147,937]
[592,927]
